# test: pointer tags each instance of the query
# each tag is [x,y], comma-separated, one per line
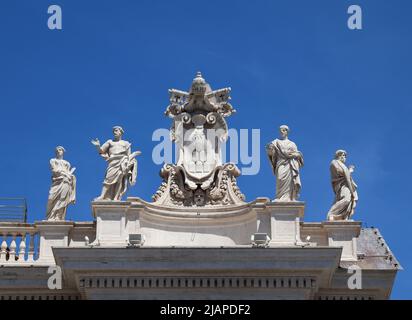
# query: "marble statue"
[199,178]
[286,162]
[344,188]
[121,165]
[63,189]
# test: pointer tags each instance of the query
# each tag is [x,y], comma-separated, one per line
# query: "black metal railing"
[13,210]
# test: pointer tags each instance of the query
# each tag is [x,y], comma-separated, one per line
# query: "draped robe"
[344,204]
[62,191]
[121,169]
[285,168]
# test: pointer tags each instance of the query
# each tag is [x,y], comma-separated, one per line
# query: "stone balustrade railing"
[18,243]
[23,244]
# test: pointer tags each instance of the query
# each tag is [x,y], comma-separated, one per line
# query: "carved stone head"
[199,198]
[284,131]
[60,152]
[118,132]
[340,155]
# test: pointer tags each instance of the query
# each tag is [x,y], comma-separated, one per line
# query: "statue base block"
[280,220]
[344,234]
[110,222]
[52,234]
[162,226]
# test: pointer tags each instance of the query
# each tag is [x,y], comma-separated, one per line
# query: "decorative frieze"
[198,282]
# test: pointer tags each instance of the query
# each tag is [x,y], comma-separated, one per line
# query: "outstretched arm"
[102,150]
[96,143]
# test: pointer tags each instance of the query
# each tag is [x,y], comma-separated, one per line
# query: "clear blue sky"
[292,62]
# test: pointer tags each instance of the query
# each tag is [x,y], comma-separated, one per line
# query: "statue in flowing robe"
[121,165]
[286,162]
[344,188]
[63,189]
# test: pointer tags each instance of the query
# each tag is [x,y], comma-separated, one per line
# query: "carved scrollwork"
[186,118]
[199,178]
[211,118]
[160,192]
[226,190]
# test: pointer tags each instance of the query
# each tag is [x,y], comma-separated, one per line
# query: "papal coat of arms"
[199,128]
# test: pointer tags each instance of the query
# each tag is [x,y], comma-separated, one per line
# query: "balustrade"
[19,243]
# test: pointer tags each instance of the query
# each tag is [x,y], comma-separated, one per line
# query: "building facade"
[198,238]
[137,250]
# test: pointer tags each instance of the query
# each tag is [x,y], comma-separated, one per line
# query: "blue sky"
[292,62]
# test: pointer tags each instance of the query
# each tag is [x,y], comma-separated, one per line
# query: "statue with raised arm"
[121,165]
[286,162]
[344,187]
[63,189]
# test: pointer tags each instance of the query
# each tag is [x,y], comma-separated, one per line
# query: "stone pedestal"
[133,223]
[344,234]
[111,222]
[52,234]
[280,220]
[164,226]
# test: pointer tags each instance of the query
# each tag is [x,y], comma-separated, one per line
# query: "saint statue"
[121,165]
[286,161]
[63,189]
[344,187]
